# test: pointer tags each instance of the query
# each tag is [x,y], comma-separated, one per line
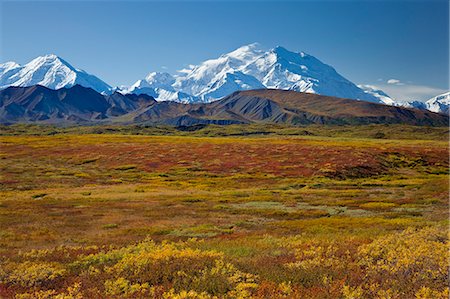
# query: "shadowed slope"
[79,104]
[75,104]
[296,107]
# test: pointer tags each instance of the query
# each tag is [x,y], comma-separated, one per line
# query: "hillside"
[296,107]
[76,104]
[84,105]
[288,107]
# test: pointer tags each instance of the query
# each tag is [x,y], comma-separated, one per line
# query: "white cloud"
[184,71]
[393,81]
[164,67]
[187,68]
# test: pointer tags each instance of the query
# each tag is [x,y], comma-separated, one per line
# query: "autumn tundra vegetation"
[240,211]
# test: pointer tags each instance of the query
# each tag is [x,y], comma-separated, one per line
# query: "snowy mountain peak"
[9,65]
[253,46]
[49,60]
[159,79]
[50,71]
[141,83]
[439,103]
[251,67]
[245,52]
[48,57]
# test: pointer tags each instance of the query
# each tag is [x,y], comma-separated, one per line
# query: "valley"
[239,211]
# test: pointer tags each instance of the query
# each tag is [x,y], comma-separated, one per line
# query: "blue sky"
[369,42]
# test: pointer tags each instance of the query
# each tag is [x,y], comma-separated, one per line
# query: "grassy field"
[224,212]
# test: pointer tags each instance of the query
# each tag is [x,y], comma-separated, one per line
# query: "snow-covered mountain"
[50,71]
[159,86]
[283,69]
[250,67]
[411,104]
[381,95]
[207,79]
[439,103]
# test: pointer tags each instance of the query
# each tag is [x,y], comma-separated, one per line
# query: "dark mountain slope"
[296,107]
[74,104]
[121,104]
[79,104]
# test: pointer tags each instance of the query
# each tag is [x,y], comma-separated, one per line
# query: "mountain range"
[75,104]
[249,67]
[50,71]
[439,104]
[81,105]
[246,68]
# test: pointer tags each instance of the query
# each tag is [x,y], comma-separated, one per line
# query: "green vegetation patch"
[292,207]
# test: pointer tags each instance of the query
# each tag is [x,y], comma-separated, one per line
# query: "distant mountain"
[291,107]
[50,71]
[206,80]
[250,67]
[246,68]
[159,86]
[84,105]
[76,104]
[228,83]
[379,94]
[439,103]
[411,104]
[283,69]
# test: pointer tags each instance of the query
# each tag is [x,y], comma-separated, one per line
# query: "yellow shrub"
[403,264]
[320,256]
[122,286]
[172,294]
[161,263]
[72,292]
[50,294]
[352,292]
[224,278]
[30,274]
[285,288]
[427,293]
[134,269]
